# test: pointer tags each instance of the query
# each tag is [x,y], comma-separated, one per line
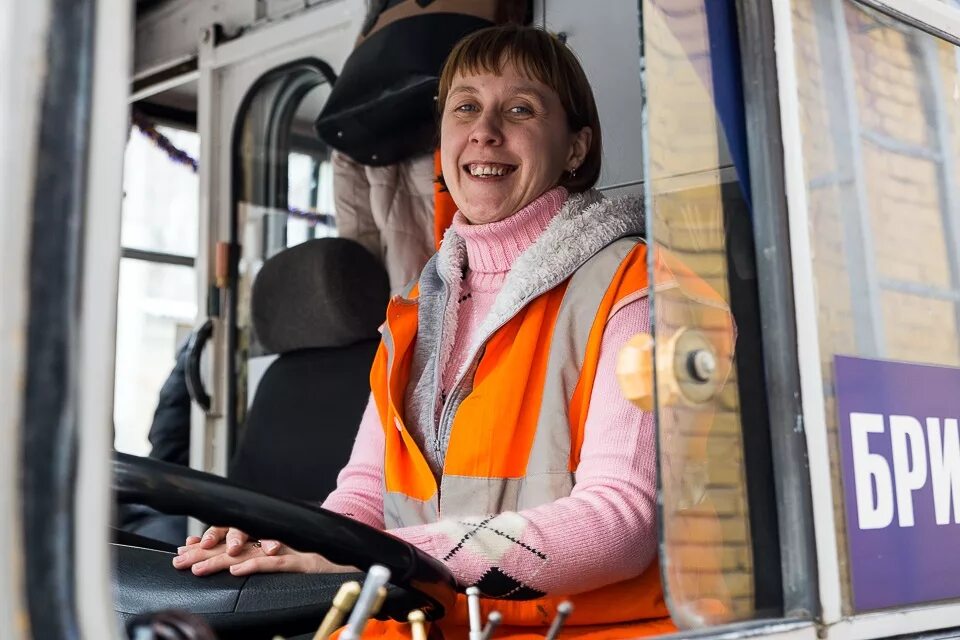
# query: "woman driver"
[496,439]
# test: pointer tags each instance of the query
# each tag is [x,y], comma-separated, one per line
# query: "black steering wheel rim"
[304,526]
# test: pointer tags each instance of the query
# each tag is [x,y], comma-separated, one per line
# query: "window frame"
[234,410]
[164,257]
[942,21]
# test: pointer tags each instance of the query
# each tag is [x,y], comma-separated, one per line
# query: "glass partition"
[703,268]
[283,191]
[880,119]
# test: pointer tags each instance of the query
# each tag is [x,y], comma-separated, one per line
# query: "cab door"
[266,185]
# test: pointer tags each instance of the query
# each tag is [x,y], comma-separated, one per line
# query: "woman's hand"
[234,539]
[221,548]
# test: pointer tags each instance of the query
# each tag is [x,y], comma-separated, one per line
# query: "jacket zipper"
[448,411]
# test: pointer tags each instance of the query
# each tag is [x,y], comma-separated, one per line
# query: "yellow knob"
[635,371]
[418,628]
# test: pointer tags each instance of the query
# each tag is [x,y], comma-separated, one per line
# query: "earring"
[573,173]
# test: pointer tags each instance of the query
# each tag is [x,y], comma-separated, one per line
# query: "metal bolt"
[702,365]
[564,609]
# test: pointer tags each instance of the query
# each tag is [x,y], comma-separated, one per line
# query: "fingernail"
[178,560]
[180,550]
[233,544]
[234,568]
[271,546]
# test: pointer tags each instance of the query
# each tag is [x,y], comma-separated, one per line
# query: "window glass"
[310,197]
[157,307]
[156,301]
[161,200]
[284,195]
[702,265]
[880,117]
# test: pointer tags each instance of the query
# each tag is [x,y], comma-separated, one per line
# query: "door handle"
[198,340]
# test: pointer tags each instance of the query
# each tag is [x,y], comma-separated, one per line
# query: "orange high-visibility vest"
[516,436]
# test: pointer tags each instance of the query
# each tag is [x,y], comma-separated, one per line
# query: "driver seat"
[318,306]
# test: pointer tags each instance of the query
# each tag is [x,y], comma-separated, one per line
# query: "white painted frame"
[227,73]
[24,39]
[943,20]
[24,28]
[93,500]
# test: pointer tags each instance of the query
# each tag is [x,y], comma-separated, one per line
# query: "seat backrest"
[318,306]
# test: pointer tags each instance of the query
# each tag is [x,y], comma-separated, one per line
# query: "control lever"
[342,603]
[377,578]
[564,609]
[493,621]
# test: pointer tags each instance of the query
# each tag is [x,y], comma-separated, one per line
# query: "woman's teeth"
[481,170]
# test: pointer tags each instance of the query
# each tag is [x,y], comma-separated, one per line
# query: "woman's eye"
[466,108]
[521,110]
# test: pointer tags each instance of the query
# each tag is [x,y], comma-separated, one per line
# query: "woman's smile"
[488,170]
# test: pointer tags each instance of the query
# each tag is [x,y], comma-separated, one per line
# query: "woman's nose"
[486,130]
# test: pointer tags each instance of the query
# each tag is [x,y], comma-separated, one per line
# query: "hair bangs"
[488,50]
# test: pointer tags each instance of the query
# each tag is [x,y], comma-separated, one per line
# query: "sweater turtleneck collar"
[493,247]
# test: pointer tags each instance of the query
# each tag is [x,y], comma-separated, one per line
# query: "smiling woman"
[518,112]
[505,140]
[495,439]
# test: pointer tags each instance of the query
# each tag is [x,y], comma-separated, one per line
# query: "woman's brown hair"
[540,56]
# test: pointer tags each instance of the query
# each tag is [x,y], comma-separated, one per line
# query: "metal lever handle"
[195,347]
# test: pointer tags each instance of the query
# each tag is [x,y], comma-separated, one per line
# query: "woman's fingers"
[206,561]
[222,561]
[212,537]
[192,540]
[191,555]
[270,557]
[271,547]
[236,539]
[289,561]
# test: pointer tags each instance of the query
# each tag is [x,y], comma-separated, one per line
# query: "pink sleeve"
[359,492]
[605,531]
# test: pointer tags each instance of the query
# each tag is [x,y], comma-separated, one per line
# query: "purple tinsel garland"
[182,157]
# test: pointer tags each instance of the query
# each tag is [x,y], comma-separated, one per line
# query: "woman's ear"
[579,147]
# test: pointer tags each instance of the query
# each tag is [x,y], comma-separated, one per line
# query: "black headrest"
[328,292]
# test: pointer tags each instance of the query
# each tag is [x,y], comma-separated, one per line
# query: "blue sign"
[900,448]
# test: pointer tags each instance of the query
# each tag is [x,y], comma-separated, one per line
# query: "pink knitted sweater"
[605,531]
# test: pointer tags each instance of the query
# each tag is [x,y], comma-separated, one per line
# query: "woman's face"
[504,141]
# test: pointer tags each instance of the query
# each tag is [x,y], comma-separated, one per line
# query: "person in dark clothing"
[170,430]
[170,442]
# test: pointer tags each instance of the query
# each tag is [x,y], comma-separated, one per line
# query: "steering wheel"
[304,526]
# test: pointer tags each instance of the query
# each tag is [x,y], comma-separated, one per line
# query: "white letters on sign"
[869,469]
[909,463]
[918,456]
[945,468]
